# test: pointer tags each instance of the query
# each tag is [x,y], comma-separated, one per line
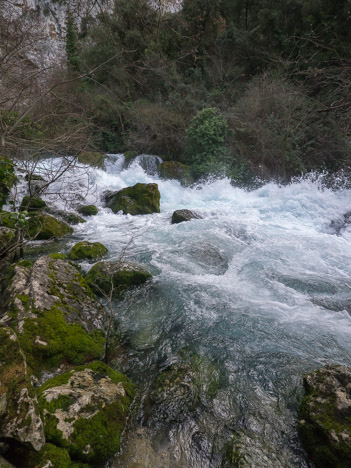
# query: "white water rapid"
[261,286]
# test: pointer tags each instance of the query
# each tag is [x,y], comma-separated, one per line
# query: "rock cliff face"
[49,19]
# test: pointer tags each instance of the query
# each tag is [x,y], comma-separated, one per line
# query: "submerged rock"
[180,216]
[44,227]
[85,410]
[88,210]
[19,414]
[176,170]
[87,251]
[325,416]
[118,275]
[54,313]
[338,225]
[136,200]
[210,258]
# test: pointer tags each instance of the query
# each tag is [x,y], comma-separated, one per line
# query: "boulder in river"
[54,314]
[88,210]
[66,216]
[84,250]
[92,159]
[120,275]
[136,200]
[338,225]
[44,227]
[180,216]
[176,170]
[32,204]
[85,410]
[325,416]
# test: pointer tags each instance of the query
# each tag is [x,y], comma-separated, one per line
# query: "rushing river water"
[260,288]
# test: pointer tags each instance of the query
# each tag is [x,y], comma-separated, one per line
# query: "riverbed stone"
[136,200]
[176,170]
[120,275]
[88,210]
[179,216]
[84,250]
[20,419]
[44,227]
[325,416]
[85,411]
[54,313]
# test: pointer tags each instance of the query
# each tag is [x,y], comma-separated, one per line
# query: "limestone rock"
[119,275]
[43,227]
[184,215]
[136,200]
[85,410]
[87,251]
[325,416]
[55,314]
[19,415]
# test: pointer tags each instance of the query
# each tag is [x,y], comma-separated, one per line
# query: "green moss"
[7,219]
[100,432]
[72,218]
[32,204]
[88,210]
[176,170]
[136,200]
[129,156]
[88,251]
[92,159]
[122,277]
[58,256]
[25,263]
[66,342]
[57,456]
[44,227]
[7,179]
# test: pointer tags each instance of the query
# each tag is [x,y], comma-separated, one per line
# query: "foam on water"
[274,306]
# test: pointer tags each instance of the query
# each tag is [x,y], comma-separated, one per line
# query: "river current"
[260,288]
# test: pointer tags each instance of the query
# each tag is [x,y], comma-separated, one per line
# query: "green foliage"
[72,43]
[14,219]
[7,179]
[206,137]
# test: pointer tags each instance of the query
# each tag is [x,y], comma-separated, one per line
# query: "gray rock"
[325,415]
[180,216]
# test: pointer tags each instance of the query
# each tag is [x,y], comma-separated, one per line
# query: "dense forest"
[249,89]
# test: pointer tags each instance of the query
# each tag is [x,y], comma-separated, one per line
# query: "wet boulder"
[176,170]
[88,210]
[179,216]
[20,418]
[340,224]
[92,159]
[66,216]
[7,179]
[119,275]
[32,204]
[85,411]
[209,257]
[325,415]
[54,313]
[136,200]
[44,227]
[92,251]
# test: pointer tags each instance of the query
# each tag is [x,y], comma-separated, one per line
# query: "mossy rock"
[88,210]
[179,216]
[58,256]
[92,159]
[36,177]
[19,415]
[87,251]
[325,416]
[7,179]
[85,411]
[119,275]
[176,170]
[7,237]
[129,156]
[56,315]
[43,227]
[67,216]
[136,200]
[32,204]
